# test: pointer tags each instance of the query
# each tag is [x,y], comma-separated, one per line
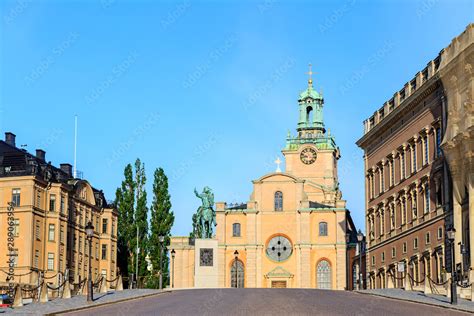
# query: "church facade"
[295,229]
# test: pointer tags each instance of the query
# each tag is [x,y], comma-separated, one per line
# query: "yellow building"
[293,230]
[43,214]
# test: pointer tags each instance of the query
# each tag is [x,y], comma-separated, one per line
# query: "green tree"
[124,201]
[140,218]
[162,219]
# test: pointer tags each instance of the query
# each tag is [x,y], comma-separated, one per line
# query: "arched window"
[309,116]
[323,275]
[236,230]
[278,201]
[323,229]
[237,274]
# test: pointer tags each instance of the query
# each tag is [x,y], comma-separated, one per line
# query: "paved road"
[265,302]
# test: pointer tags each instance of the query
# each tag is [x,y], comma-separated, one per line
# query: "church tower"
[312,154]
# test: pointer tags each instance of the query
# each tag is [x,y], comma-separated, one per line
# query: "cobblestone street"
[266,302]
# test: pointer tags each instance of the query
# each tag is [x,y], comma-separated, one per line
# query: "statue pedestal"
[205,263]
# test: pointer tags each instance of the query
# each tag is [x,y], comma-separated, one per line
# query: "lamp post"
[236,255]
[360,238]
[161,239]
[451,233]
[90,233]
[172,264]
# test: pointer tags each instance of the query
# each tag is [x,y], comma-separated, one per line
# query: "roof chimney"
[40,154]
[66,168]
[10,139]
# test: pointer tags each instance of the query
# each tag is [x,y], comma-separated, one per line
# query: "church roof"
[310,92]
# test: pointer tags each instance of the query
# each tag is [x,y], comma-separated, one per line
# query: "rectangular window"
[50,261]
[426,150]
[413,150]
[36,262]
[104,226]
[37,230]
[51,230]
[236,230]
[16,227]
[404,211]
[414,206]
[383,256]
[52,203]
[427,199]
[373,260]
[404,247]
[104,252]
[323,229]
[428,238]
[402,161]
[61,234]
[415,243]
[112,228]
[392,173]
[382,180]
[440,233]
[393,252]
[438,142]
[16,197]
[38,198]
[61,205]
[97,251]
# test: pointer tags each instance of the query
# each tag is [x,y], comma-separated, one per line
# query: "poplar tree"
[140,218]
[124,201]
[162,219]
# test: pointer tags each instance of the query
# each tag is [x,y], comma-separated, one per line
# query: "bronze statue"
[205,214]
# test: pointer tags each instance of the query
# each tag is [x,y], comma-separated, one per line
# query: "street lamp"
[360,238]
[161,239]
[236,255]
[90,233]
[451,234]
[172,264]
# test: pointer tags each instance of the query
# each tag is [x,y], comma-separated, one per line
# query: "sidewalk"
[78,302]
[419,297]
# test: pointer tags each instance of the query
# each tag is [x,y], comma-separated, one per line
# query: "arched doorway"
[237,274]
[323,275]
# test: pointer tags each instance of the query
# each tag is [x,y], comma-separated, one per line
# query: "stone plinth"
[206,272]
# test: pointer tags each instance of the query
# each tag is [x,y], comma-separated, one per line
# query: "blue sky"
[206,89]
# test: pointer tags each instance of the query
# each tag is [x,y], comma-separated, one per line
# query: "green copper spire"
[311,107]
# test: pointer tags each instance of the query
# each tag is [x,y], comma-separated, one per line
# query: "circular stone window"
[279,248]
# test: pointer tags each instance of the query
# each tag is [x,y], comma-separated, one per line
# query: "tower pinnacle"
[310,73]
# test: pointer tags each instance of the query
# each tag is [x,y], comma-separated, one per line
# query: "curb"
[415,301]
[103,304]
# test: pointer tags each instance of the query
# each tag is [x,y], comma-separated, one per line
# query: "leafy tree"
[124,201]
[162,219]
[140,218]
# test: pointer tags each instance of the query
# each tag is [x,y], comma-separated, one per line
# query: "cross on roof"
[278,162]
[310,73]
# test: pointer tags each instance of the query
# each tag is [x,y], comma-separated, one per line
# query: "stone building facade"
[456,73]
[46,210]
[407,178]
[295,230]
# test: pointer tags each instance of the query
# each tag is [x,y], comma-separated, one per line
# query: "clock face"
[279,248]
[308,156]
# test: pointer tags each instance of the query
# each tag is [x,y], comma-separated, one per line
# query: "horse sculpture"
[206,216]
